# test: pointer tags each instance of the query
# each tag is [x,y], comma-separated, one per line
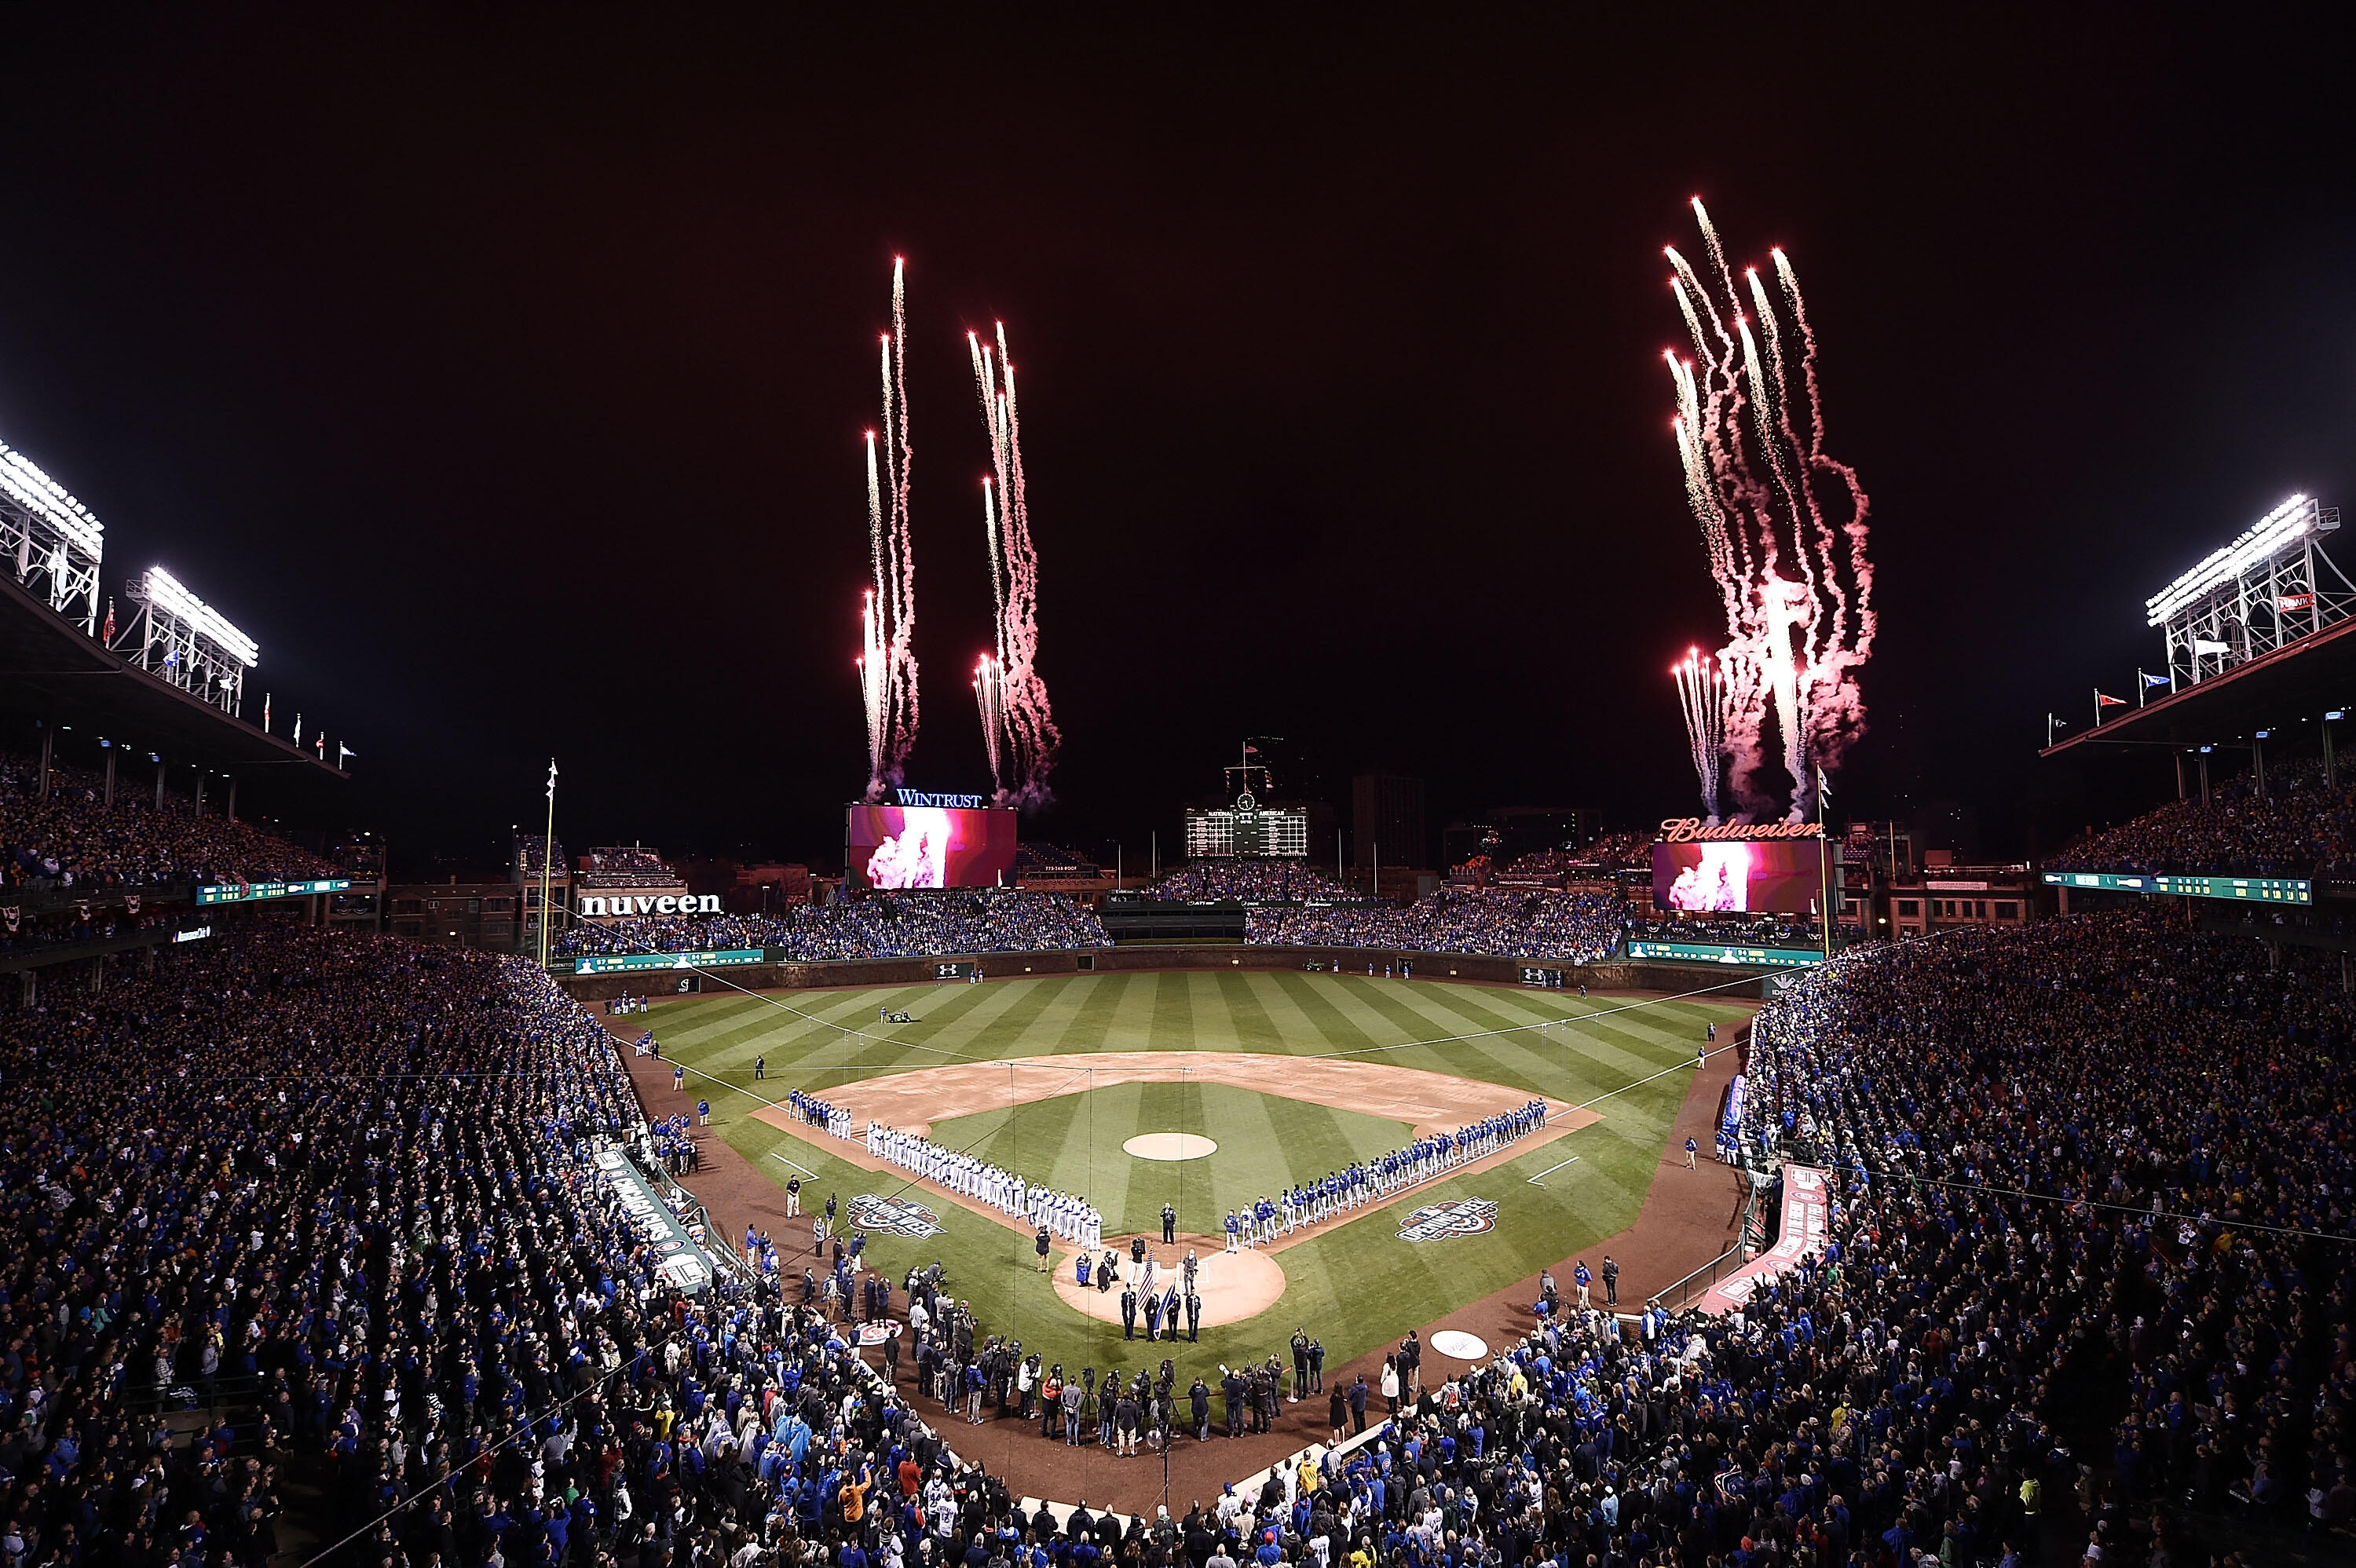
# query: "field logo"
[894,1216]
[875,1333]
[1456,1217]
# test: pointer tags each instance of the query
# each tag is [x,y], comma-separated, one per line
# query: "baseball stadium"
[1355,996]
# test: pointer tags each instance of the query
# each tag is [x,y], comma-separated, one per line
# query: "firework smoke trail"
[1796,582]
[874,663]
[1701,694]
[1031,737]
[990,696]
[1839,710]
[887,662]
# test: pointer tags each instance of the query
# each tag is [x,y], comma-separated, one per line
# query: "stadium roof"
[2302,681]
[50,669]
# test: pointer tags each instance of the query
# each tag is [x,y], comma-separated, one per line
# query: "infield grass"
[1356,1285]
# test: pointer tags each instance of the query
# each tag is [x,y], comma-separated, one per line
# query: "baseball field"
[1268,1078]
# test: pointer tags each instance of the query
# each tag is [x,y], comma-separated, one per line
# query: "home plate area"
[1233,1285]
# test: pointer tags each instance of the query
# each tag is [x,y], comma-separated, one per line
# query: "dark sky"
[503,377]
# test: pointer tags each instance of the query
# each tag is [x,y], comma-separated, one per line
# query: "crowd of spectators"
[2095,1180]
[902,924]
[340,1189]
[75,838]
[633,859]
[2302,827]
[20,929]
[2092,1182]
[1511,922]
[1248,881]
[1611,852]
[532,850]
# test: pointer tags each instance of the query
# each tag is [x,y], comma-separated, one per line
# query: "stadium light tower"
[2257,595]
[187,642]
[50,538]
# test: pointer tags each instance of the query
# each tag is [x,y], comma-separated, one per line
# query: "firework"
[1783,526]
[887,662]
[1702,694]
[990,696]
[1028,721]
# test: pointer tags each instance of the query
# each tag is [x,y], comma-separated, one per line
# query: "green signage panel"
[617,962]
[1718,953]
[2248,889]
[247,892]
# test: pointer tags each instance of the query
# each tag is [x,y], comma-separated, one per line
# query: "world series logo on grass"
[894,1216]
[1456,1217]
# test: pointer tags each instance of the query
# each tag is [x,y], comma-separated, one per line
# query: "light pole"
[547,853]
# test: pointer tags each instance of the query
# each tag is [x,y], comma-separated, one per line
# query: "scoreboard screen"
[929,846]
[1745,876]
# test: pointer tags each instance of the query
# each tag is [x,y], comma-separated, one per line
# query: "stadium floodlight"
[50,538]
[166,593]
[2271,586]
[185,641]
[2291,520]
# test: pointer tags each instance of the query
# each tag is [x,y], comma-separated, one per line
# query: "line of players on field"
[1068,1217]
[1355,1186]
[1074,1220]
[819,1114]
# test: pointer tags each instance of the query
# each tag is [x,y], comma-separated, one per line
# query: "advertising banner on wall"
[1807,1220]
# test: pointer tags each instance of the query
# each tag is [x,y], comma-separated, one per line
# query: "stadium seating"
[75,840]
[2090,1178]
[2300,828]
[1511,922]
[1257,881]
[905,924]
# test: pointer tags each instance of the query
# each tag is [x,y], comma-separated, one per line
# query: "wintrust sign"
[648,903]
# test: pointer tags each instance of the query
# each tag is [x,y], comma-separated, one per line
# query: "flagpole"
[2098,707]
[2142,683]
[547,853]
[1825,862]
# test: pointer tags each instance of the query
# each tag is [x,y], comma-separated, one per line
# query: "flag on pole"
[2158,679]
[2102,699]
[265,713]
[107,634]
[343,752]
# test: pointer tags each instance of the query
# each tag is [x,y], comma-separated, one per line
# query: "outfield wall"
[1614,975]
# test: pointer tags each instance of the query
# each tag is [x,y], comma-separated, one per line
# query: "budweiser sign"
[1689,830]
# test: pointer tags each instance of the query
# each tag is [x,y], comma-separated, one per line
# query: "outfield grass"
[1356,1285]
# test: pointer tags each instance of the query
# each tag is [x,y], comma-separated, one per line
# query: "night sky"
[504,379]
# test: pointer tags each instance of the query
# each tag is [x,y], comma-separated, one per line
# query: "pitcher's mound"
[1170,1145]
[1233,1285]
